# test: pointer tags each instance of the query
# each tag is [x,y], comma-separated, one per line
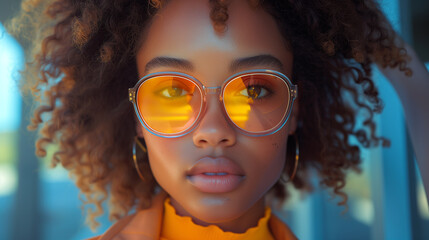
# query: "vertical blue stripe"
[395,195]
[11,60]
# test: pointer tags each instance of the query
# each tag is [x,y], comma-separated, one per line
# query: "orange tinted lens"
[256,102]
[169,104]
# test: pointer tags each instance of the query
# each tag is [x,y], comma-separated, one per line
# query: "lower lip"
[216,183]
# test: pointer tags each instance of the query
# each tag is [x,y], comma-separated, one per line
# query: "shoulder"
[144,224]
[94,238]
[280,230]
[115,229]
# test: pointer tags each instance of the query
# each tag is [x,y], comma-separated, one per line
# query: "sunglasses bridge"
[213,90]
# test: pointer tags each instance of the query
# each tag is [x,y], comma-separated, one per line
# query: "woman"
[231,99]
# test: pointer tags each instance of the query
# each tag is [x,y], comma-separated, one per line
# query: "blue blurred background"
[386,201]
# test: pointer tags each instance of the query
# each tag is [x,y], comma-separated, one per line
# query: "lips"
[215,175]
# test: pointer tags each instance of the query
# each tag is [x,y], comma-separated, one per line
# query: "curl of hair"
[84,61]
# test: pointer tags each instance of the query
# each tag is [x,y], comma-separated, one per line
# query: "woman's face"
[183,30]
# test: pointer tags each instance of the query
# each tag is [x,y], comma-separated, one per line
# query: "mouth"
[215,175]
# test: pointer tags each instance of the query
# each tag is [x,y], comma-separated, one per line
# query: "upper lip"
[215,165]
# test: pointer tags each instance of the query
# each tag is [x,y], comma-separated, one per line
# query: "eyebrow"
[246,62]
[258,60]
[169,62]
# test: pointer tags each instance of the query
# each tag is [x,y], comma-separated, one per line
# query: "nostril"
[205,141]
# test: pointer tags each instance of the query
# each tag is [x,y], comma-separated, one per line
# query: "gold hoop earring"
[143,148]
[296,163]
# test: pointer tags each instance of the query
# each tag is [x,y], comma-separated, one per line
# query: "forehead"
[183,29]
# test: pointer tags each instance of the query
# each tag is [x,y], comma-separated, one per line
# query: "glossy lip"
[215,175]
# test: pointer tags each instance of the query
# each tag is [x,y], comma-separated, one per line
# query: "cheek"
[161,152]
[274,156]
[169,158]
[269,156]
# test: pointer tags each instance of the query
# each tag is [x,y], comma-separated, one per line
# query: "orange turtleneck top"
[160,221]
[175,227]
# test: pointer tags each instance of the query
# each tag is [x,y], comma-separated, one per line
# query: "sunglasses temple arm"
[131,95]
[294,91]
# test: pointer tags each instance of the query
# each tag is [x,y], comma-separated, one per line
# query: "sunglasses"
[171,104]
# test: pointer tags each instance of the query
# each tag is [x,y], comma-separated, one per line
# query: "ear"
[293,119]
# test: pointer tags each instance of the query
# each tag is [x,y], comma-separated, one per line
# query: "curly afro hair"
[84,61]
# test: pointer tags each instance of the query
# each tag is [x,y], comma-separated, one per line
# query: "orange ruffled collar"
[175,227]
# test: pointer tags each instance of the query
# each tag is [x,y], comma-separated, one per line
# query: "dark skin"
[250,33]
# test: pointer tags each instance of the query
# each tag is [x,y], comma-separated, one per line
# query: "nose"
[214,129]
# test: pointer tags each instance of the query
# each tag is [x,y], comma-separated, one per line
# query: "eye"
[173,92]
[254,92]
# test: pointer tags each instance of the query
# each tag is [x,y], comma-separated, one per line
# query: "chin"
[218,209]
